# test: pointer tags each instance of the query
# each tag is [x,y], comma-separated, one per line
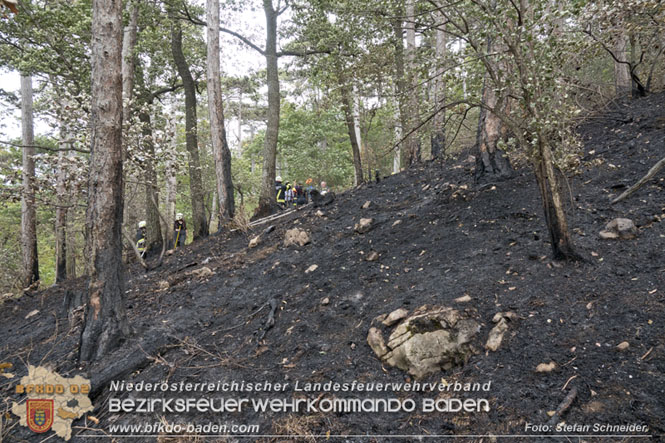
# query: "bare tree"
[105,317]
[28,213]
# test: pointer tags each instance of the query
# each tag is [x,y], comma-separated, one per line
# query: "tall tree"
[438,137]
[105,316]
[220,147]
[354,134]
[622,81]
[200,221]
[28,213]
[62,204]
[491,161]
[267,196]
[413,95]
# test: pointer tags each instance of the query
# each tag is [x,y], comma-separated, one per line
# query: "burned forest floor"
[267,314]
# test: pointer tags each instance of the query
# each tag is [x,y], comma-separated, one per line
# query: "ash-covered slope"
[438,237]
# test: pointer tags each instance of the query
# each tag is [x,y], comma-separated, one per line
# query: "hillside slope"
[453,239]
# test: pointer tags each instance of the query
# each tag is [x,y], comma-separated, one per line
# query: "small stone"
[396,222]
[372,256]
[463,299]
[375,341]
[623,346]
[496,335]
[363,225]
[546,367]
[32,313]
[395,316]
[319,213]
[623,228]
[366,204]
[311,269]
[296,237]
[253,243]
[163,285]
[203,272]
[325,301]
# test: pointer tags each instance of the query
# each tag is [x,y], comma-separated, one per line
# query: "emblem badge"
[40,415]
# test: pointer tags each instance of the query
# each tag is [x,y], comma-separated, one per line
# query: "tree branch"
[244,39]
[46,148]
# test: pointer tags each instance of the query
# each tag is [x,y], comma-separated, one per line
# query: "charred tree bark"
[105,316]
[267,203]
[28,213]
[555,216]
[199,219]
[220,147]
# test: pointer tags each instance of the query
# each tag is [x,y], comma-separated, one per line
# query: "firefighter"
[140,238]
[179,230]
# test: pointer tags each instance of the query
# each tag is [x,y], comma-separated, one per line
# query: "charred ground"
[454,238]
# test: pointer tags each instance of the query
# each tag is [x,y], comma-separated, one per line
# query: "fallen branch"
[653,171]
[563,406]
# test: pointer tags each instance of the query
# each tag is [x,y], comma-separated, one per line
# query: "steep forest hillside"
[301,314]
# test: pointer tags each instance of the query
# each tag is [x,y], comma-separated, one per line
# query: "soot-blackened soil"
[454,238]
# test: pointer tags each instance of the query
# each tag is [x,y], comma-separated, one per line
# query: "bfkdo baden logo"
[52,402]
[39,415]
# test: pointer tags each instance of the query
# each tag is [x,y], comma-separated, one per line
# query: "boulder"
[619,228]
[296,237]
[430,339]
[363,225]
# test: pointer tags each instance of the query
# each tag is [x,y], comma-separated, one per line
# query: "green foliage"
[314,144]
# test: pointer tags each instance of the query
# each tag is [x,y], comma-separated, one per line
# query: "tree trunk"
[199,219]
[397,151]
[622,80]
[413,95]
[171,187]
[491,161]
[153,226]
[105,316]
[71,245]
[61,210]
[400,90]
[347,107]
[267,203]
[28,213]
[555,216]
[128,58]
[220,147]
[438,137]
